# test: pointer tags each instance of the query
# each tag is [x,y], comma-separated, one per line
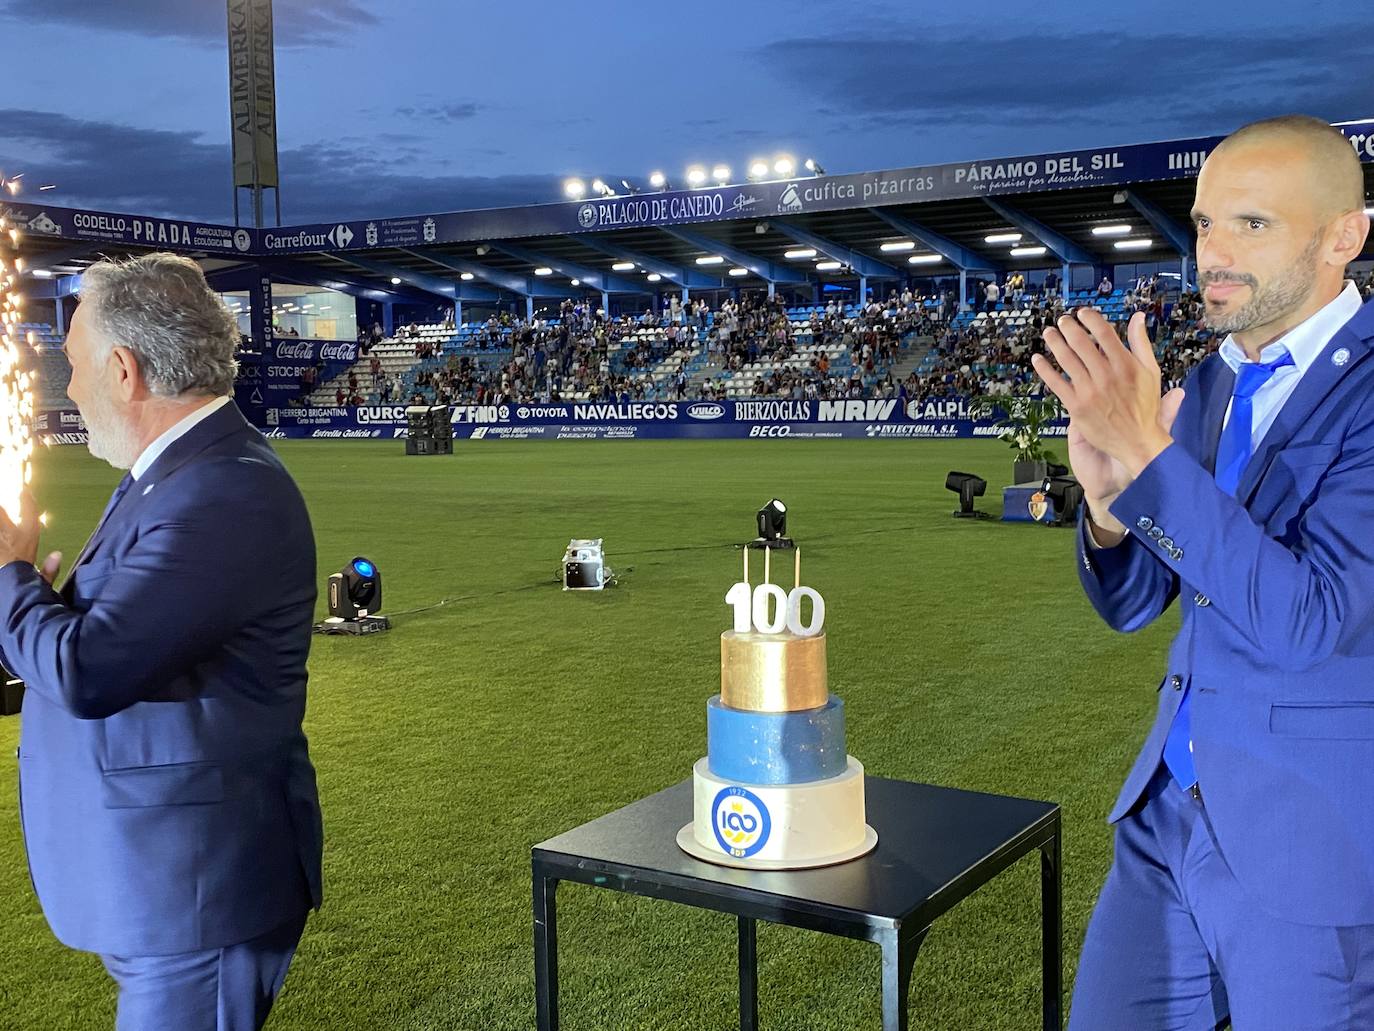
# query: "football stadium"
[538,444]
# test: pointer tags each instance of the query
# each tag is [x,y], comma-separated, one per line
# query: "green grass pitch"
[965,652]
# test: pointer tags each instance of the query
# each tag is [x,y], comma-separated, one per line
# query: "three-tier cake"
[776,789]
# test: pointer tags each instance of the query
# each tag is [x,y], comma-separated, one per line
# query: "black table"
[936,846]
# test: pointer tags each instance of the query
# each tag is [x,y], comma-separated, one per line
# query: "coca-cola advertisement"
[291,369]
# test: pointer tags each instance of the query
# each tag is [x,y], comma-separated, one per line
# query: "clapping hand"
[1118,422]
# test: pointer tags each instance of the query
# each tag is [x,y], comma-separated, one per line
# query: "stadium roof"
[1053,200]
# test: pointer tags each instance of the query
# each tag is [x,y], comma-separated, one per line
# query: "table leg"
[545,953]
[899,957]
[748,976]
[1052,933]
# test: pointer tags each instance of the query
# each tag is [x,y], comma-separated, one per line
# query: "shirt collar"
[154,450]
[1306,340]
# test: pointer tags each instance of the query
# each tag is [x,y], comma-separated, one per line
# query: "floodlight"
[1066,494]
[968,487]
[773,521]
[355,595]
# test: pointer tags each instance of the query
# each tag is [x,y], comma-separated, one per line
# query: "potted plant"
[1023,419]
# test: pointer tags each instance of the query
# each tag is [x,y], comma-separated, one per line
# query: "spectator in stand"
[991,295]
[1051,283]
[339,396]
[1104,288]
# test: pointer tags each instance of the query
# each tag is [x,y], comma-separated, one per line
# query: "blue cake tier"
[775,747]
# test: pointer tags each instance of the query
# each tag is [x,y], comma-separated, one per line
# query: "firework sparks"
[16,382]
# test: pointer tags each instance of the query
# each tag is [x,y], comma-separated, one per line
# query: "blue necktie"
[1233,453]
[115,499]
[110,506]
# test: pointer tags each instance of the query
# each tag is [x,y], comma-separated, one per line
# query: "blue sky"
[404,106]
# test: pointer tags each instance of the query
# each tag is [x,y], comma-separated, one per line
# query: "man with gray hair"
[168,801]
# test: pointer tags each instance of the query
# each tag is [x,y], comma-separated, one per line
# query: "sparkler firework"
[16,382]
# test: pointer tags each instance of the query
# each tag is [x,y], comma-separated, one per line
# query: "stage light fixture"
[623,266]
[1066,494]
[772,519]
[575,188]
[813,166]
[721,174]
[630,187]
[467,277]
[758,168]
[483,248]
[395,280]
[354,596]
[696,175]
[658,180]
[968,487]
[784,166]
[584,565]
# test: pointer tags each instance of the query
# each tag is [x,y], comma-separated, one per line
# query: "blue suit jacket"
[166,794]
[1277,635]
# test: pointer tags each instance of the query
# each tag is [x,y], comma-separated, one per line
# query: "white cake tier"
[779,824]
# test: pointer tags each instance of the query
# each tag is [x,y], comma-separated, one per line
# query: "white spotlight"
[1002,238]
[658,180]
[758,168]
[623,266]
[900,245]
[925,259]
[739,272]
[1112,230]
[784,166]
[711,259]
[696,175]
[1027,252]
[1133,245]
[653,277]
[575,188]
[798,253]
[721,174]
[395,280]
[829,266]
[467,277]
[543,270]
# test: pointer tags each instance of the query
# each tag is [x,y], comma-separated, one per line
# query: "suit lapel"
[1214,387]
[214,427]
[1316,383]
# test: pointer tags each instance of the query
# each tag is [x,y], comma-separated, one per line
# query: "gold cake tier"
[772,672]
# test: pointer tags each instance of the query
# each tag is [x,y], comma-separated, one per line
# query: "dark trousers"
[228,989]
[1177,944]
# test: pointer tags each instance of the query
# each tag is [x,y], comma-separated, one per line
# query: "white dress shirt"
[1305,342]
[154,450]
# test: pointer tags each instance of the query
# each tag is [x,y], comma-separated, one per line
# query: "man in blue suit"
[168,801]
[1242,886]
